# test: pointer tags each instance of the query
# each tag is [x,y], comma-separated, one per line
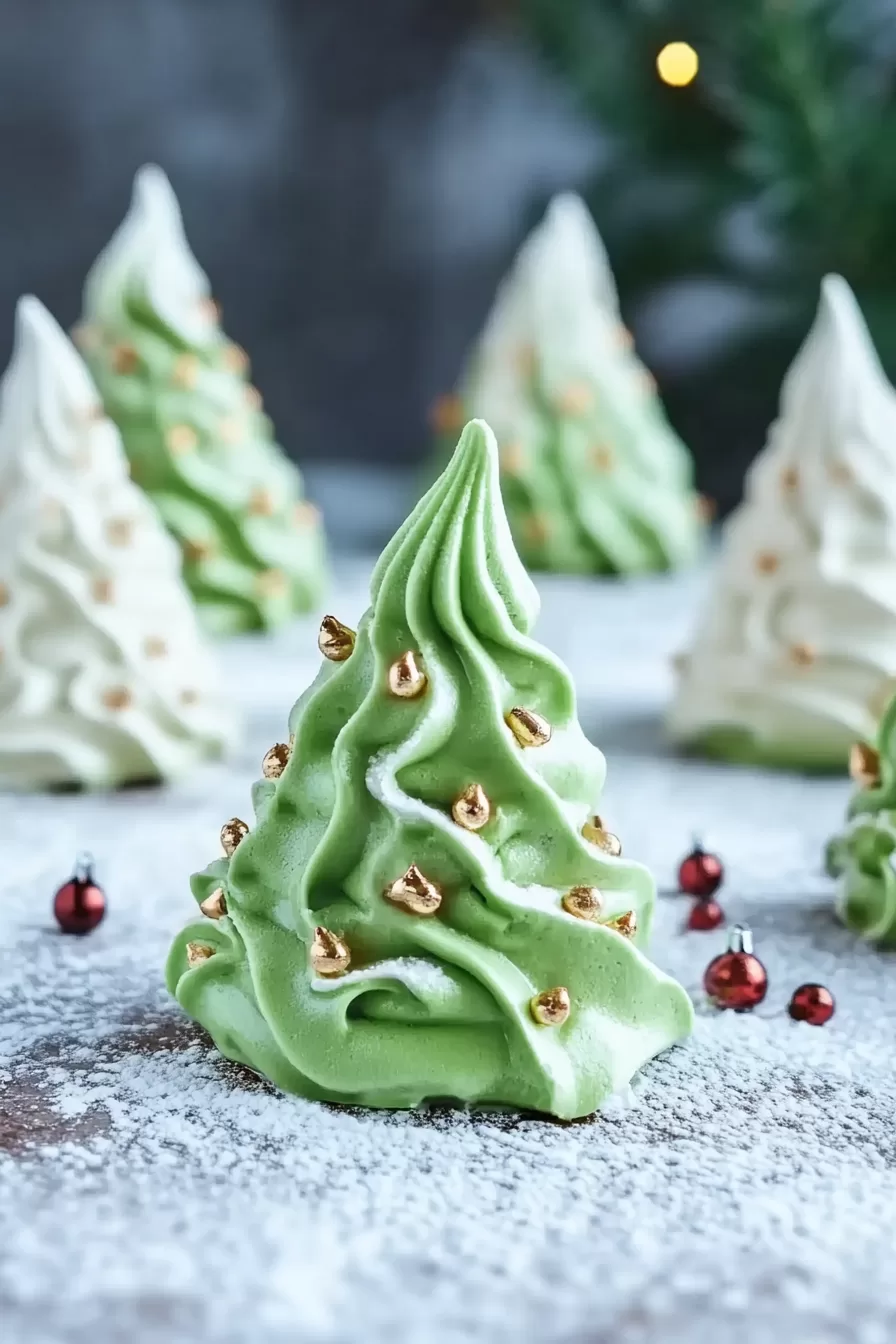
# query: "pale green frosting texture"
[192,426]
[433,1007]
[862,856]
[595,479]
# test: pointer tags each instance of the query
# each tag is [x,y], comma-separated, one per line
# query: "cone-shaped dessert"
[103,676]
[594,478]
[192,424]
[862,856]
[426,905]
[798,640]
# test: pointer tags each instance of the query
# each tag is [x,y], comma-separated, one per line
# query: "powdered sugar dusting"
[745,1185]
[415,972]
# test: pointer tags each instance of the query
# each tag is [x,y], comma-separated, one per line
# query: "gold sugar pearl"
[254,399]
[864,765]
[117,698]
[5,595]
[575,399]
[197,953]
[232,832]
[529,728]
[471,809]
[197,550]
[414,893]
[626,924]
[512,459]
[305,514]
[537,529]
[330,955]
[551,1007]
[154,646]
[124,358]
[235,358]
[120,531]
[447,415]
[185,371]
[767,562]
[335,640]
[583,902]
[790,478]
[706,508]
[406,679]
[602,458]
[271,583]
[181,439]
[261,502]
[596,833]
[210,308]
[215,905]
[276,759]
[802,654]
[102,590]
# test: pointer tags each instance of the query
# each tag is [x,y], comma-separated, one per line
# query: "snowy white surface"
[150,1191]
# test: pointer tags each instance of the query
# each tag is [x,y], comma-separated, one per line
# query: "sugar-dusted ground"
[150,1191]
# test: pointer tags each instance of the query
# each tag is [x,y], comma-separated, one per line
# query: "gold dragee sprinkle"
[583,902]
[215,905]
[471,808]
[232,832]
[406,679]
[414,893]
[551,1007]
[197,953]
[529,728]
[330,954]
[335,640]
[864,765]
[276,759]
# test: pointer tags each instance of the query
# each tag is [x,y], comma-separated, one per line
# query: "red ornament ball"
[813,1004]
[79,904]
[700,874]
[737,979]
[706,915]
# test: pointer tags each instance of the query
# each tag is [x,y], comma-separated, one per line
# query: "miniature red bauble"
[813,1004]
[700,874]
[706,915]
[736,979]
[79,905]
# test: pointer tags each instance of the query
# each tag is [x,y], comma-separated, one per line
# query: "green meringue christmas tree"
[595,479]
[862,856]
[192,424]
[427,906]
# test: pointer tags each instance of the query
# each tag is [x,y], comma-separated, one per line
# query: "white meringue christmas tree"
[103,676]
[593,476]
[794,657]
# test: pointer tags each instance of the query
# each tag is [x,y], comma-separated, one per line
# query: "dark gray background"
[354,174]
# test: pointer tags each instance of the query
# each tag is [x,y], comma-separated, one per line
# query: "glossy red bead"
[813,1004]
[706,915]
[737,979]
[79,906]
[700,874]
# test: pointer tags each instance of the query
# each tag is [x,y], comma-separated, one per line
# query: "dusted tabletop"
[150,1190]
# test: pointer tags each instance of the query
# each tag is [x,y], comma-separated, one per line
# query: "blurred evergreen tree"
[776,164]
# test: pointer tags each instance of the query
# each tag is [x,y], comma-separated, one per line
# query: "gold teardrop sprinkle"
[215,905]
[154,646]
[117,698]
[124,358]
[276,759]
[5,595]
[551,1007]
[471,809]
[575,399]
[330,955]
[864,765]
[181,439]
[802,654]
[335,640]
[446,415]
[119,531]
[415,893]
[235,358]
[198,952]
[261,502]
[271,583]
[626,924]
[232,832]
[583,902]
[185,371]
[529,728]
[406,679]
[596,833]
[102,589]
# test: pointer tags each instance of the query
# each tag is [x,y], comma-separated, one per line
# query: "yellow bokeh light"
[677,64]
